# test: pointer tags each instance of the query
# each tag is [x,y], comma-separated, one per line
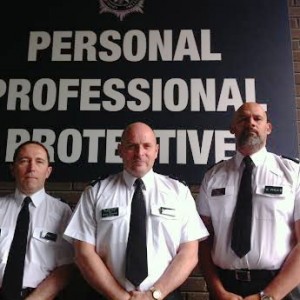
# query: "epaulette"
[93,182]
[294,159]
[178,179]
[214,164]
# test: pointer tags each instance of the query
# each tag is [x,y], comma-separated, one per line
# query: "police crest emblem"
[121,8]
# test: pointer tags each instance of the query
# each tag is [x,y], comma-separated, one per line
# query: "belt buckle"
[242,275]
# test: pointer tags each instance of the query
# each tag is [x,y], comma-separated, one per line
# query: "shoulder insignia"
[294,159]
[93,182]
[178,179]
[210,167]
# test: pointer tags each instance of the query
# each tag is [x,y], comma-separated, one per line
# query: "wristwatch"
[156,294]
[264,296]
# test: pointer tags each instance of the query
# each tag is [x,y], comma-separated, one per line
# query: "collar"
[258,157]
[148,179]
[36,198]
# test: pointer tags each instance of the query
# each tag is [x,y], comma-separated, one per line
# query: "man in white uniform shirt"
[100,226]
[270,269]
[48,257]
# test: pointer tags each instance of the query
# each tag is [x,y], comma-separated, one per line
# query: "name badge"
[275,190]
[218,192]
[48,236]
[167,211]
[110,212]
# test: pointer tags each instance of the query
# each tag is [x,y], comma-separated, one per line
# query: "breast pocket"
[45,246]
[167,221]
[274,202]
[6,236]
[222,202]
[112,224]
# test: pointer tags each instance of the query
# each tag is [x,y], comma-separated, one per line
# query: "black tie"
[136,253]
[13,274]
[242,222]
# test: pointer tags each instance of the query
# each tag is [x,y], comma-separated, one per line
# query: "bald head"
[138,149]
[251,127]
[137,127]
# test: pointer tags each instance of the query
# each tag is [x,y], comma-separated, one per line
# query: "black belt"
[247,275]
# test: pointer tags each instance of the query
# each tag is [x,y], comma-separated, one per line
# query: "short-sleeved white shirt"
[276,206]
[46,248]
[102,218]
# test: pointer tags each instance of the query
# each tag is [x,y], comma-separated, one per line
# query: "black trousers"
[79,289]
[24,293]
[245,284]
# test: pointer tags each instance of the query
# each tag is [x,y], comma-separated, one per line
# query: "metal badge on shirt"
[167,211]
[49,236]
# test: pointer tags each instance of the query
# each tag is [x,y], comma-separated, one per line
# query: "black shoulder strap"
[294,159]
[93,182]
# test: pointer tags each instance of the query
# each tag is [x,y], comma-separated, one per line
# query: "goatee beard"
[248,140]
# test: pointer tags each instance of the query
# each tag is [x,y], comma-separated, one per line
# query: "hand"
[137,295]
[229,296]
[253,297]
[33,297]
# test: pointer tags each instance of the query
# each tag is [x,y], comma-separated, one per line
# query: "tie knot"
[26,201]
[248,162]
[138,183]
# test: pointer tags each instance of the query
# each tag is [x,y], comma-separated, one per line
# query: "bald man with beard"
[269,269]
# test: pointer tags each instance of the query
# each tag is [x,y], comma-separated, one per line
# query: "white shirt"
[102,218]
[276,206]
[46,249]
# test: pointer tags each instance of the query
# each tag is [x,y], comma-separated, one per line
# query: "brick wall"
[194,288]
[294,16]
